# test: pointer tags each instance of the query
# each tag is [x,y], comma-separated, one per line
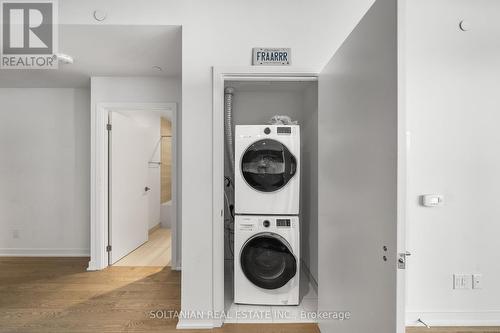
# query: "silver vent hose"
[228,126]
[229,188]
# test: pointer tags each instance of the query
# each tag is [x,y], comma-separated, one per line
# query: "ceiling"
[105,50]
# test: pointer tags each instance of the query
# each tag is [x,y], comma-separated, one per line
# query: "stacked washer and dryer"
[266,226]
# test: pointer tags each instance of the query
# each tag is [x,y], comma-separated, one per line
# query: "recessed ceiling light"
[100,15]
[65,58]
[157,68]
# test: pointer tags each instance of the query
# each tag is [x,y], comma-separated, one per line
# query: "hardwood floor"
[58,295]
[155,252]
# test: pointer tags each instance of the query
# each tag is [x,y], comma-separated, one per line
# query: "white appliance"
[267,172]
[266,260]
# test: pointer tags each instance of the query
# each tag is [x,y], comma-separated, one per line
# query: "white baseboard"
[44,252]
[485,318]
[93,266]
[194,324]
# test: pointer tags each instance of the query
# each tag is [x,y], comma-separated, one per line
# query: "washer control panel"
[251,223]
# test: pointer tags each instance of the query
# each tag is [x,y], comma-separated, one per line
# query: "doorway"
[280,90]
[139,227]
[140,187]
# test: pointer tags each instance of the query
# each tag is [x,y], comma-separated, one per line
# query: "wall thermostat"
[432,200]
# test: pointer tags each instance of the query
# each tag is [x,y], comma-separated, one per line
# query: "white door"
[358,179]
[128,186]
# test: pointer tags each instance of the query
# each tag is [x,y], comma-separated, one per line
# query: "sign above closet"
[271,56]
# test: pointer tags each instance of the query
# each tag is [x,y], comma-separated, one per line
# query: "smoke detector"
[100,15]
[464,25]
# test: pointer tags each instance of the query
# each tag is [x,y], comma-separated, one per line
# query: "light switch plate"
[462,281]
[477,281]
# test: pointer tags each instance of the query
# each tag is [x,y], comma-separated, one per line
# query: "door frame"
[219,76]
[99,190]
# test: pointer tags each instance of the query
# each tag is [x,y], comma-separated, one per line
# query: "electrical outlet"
[462,281]
[15,234]
[477,281]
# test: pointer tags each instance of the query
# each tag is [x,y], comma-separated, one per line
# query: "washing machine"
[266,260]
[267,172]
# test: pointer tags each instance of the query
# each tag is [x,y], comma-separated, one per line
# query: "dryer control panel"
[284,130]
[283,222]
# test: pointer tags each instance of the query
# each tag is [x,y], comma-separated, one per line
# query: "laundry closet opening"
[270,200]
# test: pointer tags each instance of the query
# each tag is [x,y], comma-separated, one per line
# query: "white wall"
[135,90]
[44,155]
[453,116]
[258,105]
[215,33]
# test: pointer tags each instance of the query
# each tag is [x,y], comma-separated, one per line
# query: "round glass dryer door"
[267,165]
[267,261]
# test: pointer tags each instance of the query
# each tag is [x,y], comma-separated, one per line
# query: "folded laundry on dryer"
[282,120]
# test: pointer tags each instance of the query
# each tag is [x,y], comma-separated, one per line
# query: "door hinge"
[108,248]
[402,259]
[108,127]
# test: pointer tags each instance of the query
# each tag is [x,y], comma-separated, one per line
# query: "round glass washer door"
[267,261]
[267,165]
